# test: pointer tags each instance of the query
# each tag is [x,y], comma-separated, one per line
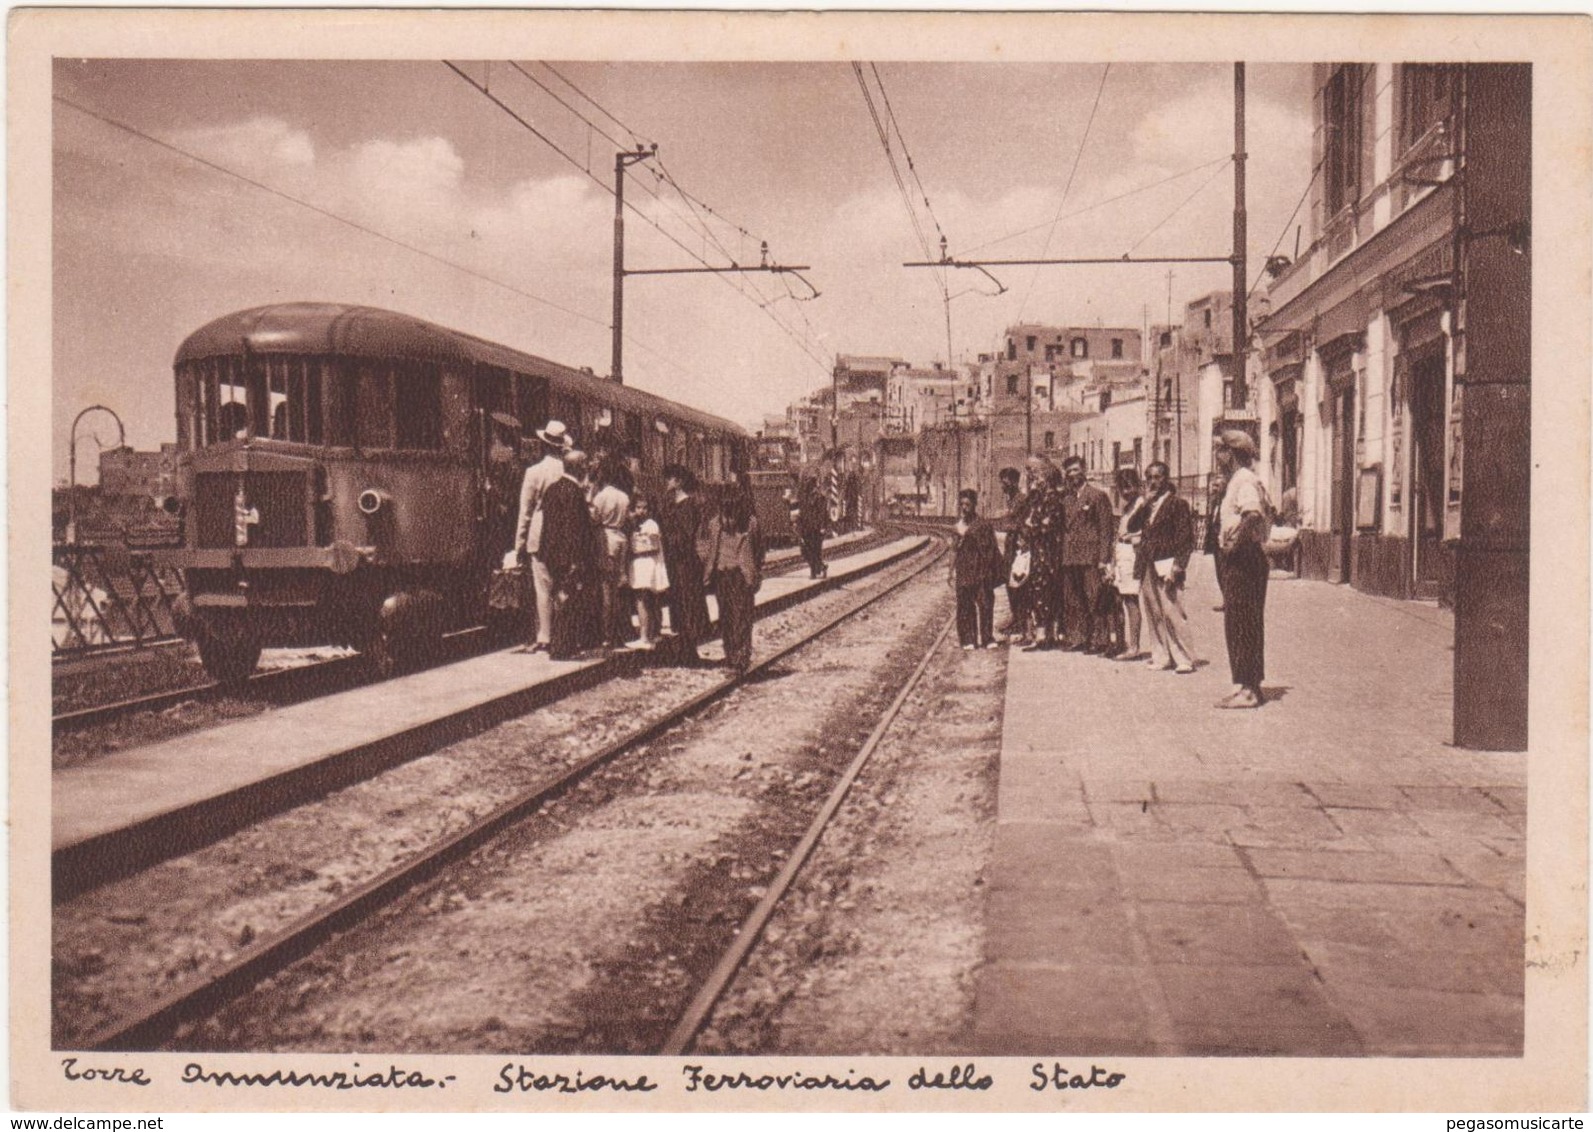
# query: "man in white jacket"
[555,441]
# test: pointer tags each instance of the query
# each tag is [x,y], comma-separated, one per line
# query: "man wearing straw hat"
[554,441]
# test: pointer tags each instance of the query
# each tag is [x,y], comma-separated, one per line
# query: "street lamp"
[71,483]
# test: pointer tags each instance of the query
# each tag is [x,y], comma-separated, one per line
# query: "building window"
[1012,350]
[1081,348]
[1341,102]
[1106,399]
[1208,318]
[1050,441]
[1029,343]
[1117,347]
[1166,339]
[1424,99]
[1012,383]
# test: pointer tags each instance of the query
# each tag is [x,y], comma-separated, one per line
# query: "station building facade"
[1359,407]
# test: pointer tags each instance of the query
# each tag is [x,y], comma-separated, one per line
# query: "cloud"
[1198,125]
[257,144]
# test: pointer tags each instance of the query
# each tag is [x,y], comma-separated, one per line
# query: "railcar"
[350,476]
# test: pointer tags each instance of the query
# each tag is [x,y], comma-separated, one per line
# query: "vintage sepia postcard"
[686,562]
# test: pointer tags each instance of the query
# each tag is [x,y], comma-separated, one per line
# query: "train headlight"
[373,500]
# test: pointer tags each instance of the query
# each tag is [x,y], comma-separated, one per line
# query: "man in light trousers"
[1161,561]
[554,441]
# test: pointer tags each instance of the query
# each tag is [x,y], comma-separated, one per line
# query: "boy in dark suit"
[976,572]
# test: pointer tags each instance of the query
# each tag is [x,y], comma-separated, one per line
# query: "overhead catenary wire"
[635,136]
[1102,203]
[890,158]
[942,275]
[1067,187]
[692,202]
[719,273]
[696,224]
[1180,207]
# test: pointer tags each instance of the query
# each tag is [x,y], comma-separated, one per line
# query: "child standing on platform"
[648,576]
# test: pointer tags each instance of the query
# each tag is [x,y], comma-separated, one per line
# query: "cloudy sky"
[156,234]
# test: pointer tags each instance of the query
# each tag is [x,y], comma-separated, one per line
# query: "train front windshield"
[369,404]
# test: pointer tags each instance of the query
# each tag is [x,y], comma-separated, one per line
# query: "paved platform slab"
[94,799]
[1325,876]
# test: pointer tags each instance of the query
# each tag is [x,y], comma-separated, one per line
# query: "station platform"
[1322,876]
[136,801]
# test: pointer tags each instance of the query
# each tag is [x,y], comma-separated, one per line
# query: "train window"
[566,409]
[186,403]
[493,395]
[340,387]
[492,390]
[531,403]
[631,429]
[258,398]
[314,411]
[594,419]
[228,400]
[419,407]
[655,451]
[282,406]
[373,406]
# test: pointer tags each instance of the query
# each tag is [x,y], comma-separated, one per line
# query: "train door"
[530,405]
[497,463]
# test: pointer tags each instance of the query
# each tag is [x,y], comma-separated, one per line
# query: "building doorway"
[1342,501]
[1433,571]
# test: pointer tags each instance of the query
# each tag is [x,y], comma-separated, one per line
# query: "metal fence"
[108,597]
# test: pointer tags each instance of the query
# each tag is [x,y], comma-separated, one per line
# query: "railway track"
[153,1022]
[93,851]
[724,971]
[326,677]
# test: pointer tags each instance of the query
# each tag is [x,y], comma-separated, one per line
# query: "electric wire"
[890,158]
[1315,172]
[319,210]
[1198,190]
[1102,203]
[1066,188]
[551,144]
[601,108]
[696,224]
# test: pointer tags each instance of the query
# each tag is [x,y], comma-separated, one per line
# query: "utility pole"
[1028,413]
[1241,321]
[622,161]
[1492,332]
[1178,384]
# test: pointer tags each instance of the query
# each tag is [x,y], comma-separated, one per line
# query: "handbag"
[507,591]
[1019,574]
